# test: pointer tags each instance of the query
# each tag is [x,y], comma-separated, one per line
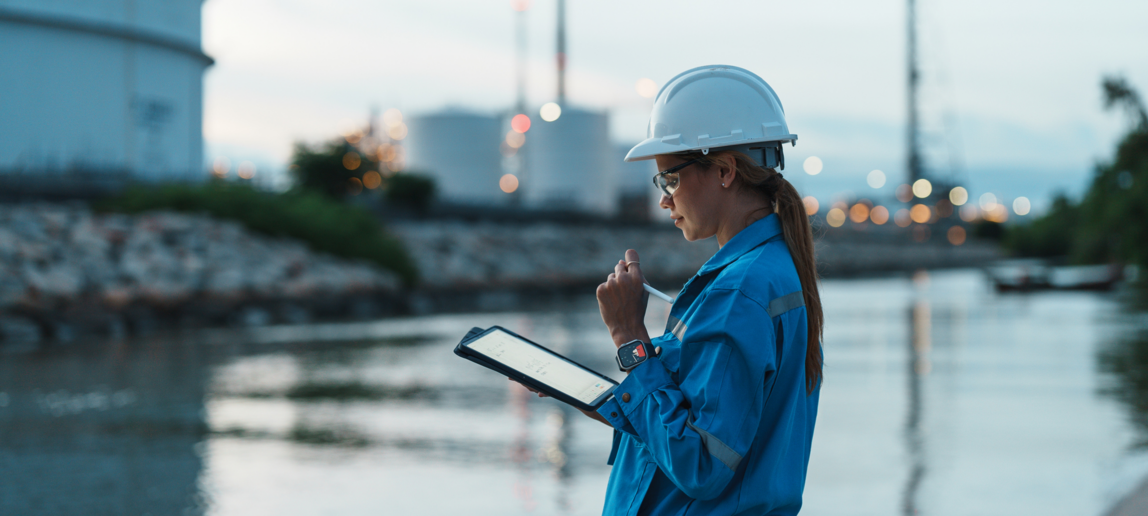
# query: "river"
[941,397]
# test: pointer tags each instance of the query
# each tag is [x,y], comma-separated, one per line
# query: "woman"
[716,415]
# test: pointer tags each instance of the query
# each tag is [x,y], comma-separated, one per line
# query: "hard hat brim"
[651,147]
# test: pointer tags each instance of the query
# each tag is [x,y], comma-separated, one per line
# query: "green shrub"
[324,224]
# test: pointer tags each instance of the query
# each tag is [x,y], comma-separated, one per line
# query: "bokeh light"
[988,201]
[920,213]
[835,217]
[245,170]
[956,235]
[902,218]
[646,88]
[392,117]
[352,160]
[515,139]
[354,186]
[922,188]
[520,5]
[859,213]
[520,123]
[550,112]
[998,213]
[397,132]
[876,179]
[813,165]
[221,167]
[879,215]
[958,196]
[969,213]
[508,183]
[386,152]
[904,193]
[1021,206]
[811,205]
[372,180]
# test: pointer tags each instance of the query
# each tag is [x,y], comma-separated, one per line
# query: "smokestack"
[561,52]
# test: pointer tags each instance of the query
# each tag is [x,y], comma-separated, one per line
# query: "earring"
[723,185]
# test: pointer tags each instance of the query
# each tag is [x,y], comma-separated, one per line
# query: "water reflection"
[919,343]
[106,429]
[1126,361]
[941,398]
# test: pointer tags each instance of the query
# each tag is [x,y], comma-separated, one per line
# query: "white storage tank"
[569,163]
[102,86]
[460,150]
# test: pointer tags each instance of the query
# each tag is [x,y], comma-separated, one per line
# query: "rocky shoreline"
[67,272]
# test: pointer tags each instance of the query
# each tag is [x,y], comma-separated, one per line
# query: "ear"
[727,169]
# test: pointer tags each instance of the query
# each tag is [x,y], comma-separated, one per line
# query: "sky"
[1011,100]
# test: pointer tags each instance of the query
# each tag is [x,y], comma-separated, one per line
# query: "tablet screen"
[541,366]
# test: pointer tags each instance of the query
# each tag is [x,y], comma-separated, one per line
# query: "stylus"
[657,294]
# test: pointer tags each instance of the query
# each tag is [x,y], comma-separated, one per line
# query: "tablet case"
[520,378]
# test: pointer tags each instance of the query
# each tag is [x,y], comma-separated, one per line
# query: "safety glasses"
[668,180]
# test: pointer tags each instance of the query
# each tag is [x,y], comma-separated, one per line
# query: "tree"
[1110,224]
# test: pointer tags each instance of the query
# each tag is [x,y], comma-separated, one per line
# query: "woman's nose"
[666,202]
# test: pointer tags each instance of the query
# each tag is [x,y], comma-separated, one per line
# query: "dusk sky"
[1011,95]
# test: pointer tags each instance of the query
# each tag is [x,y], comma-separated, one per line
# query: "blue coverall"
[720,423]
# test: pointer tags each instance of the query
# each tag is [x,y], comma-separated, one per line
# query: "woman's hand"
[622,301]
[589,413]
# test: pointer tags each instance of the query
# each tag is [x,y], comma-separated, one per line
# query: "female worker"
[716,415]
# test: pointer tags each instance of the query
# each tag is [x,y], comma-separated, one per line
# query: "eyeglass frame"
[665,187]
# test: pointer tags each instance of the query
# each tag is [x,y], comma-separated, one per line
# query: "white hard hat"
[717,107]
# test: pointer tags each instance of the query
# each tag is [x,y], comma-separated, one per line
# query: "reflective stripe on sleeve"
[786,303]
[717,448]
[677,327]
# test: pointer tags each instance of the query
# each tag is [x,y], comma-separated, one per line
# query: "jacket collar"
[748,239]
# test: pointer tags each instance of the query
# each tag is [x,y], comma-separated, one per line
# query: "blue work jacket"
[720,423]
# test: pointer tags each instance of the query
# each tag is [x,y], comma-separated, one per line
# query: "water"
[941,397]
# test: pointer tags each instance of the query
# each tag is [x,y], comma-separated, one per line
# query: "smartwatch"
[633,353]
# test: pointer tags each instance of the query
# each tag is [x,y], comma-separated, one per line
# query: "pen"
[657,294]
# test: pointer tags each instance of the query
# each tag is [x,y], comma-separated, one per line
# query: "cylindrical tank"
[460,151]
[569,163]
[102,86]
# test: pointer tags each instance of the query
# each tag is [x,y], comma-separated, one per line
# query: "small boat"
[1028,275]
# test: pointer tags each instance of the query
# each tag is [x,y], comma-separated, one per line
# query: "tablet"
[532,364]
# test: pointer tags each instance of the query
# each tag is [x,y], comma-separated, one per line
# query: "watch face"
[631,355]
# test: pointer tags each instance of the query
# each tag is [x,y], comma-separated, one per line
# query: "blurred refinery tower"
[561,159]
[101,89]
[460,151]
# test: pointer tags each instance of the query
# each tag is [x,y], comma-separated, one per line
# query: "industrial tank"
[569,163]
[101,87]
[460,150]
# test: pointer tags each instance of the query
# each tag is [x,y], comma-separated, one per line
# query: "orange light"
[879,215]
[372,180]
[508,183]
[351,160]
[835,217]
[354,186]
[859,213]
[520,123]
[956,235]
[386,152]
[515,139]
[811,205]
[920,213]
